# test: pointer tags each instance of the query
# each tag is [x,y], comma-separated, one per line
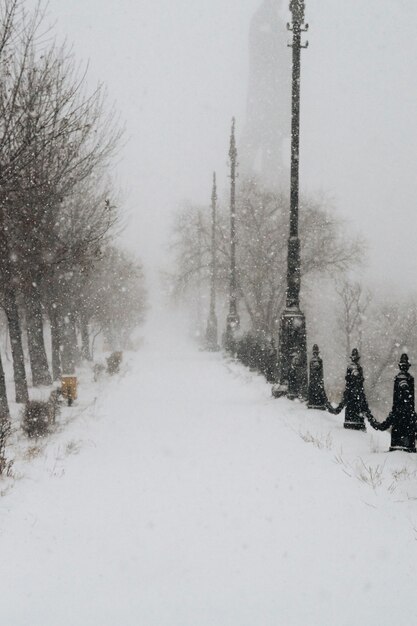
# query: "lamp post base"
[293,355]
[403,449]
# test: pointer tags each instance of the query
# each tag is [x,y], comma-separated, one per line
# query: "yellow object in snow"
[69,388]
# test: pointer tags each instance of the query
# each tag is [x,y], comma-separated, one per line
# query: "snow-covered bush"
[113,363]
[257,351]
[39,417]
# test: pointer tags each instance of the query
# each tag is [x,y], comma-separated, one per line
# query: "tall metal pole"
[233,320]
[211,332]
[293,340]
[199,324]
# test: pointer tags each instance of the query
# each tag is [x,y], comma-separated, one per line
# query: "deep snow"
[184,495]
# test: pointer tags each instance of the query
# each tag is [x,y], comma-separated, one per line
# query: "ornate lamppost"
[233,320]
[211,331]
[293,341]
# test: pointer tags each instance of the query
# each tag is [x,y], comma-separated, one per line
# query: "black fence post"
[402,419]
[317,398]
[354,398]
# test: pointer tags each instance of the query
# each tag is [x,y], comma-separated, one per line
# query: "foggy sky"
[177,71]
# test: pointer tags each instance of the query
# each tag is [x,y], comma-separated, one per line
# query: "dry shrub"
[113,363]
[319,441]
[73,447]
[372,476]
[39,417]
[33,452]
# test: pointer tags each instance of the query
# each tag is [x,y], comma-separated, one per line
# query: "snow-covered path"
[193,501]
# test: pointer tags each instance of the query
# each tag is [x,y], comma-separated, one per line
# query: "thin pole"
[211,332]
[233,321]
[233,279]
[213,248]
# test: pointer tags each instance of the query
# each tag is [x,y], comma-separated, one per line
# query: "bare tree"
[53,137]
[390,331]
[87,220]
[262,226]
[355,300]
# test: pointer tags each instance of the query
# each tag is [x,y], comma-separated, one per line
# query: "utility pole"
[199,324]
[211,332]
[233,321]
[293,378]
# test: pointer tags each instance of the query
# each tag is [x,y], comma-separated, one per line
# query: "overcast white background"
[178,72]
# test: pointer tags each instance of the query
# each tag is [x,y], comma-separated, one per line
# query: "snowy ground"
[182,494]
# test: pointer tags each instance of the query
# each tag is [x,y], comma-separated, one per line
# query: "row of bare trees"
[380,328]
[342,313]
[57,207]
[262,224]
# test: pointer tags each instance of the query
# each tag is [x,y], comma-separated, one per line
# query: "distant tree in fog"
[114,297]
[389,331]
[355,300]
[263,226]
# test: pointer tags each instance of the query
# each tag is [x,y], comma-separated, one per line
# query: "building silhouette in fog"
[268,117]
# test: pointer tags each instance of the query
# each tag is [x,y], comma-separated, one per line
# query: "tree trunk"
[69,347]
[4,405]
[55,343]
[36,342]
[110,337]
[85,339]
[15,332]
[74,339]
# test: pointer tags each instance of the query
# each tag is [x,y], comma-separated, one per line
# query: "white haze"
[178,73]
